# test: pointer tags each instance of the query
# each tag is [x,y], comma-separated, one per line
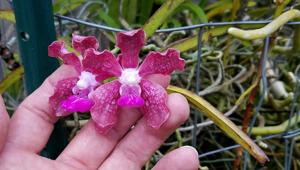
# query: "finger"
[89,149]
[163,80]
[22,160]
[138,145]
[184,158]
[32,123]
[4,120]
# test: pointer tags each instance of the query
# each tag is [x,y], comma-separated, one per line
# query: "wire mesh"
[289,134]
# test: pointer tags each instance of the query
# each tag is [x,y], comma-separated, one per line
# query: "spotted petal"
[130,44]
[57,49]
[104,111]
[103,64]
[161,63]
[62,91]
[82,43]
[155,108]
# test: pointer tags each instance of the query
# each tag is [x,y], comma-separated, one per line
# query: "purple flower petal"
[155,109]
[103,64]
[57,49]
[104,111]
[73,60]
[82,43]
[62,91]
[161,63]
[76,104]
[130,44]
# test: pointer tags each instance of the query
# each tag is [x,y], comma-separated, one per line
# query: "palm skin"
[24,135]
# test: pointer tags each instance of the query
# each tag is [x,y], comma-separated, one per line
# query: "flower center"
[130,76]
[86,80]
[130,89]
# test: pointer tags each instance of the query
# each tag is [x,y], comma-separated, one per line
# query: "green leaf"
[183,44]
[196,10]
[107,19]
[7,15]
[217,4]
[159,2]
[219,10]
[222,122]
[203,3]
[171,23]
[191,42]
[129,10]
[159,17]
[145,7]
[113,10]
[222,7]
[11,78]
[64,6]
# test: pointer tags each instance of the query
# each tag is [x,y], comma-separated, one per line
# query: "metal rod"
[264,82]
[237,145]
[103,27]
[199,52]
[107,28]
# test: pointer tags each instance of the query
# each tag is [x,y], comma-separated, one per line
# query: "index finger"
[32,122]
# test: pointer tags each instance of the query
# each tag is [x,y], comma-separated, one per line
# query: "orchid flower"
[72,94]
[131,89]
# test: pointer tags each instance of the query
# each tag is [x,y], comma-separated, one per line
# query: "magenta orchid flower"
[131,89]
[72,94]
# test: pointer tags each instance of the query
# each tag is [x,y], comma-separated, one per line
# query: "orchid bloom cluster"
[131,89]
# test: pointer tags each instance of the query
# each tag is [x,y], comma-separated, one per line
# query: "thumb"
[184,157]
[163,80]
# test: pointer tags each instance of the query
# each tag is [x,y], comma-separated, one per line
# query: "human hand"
[24,136]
